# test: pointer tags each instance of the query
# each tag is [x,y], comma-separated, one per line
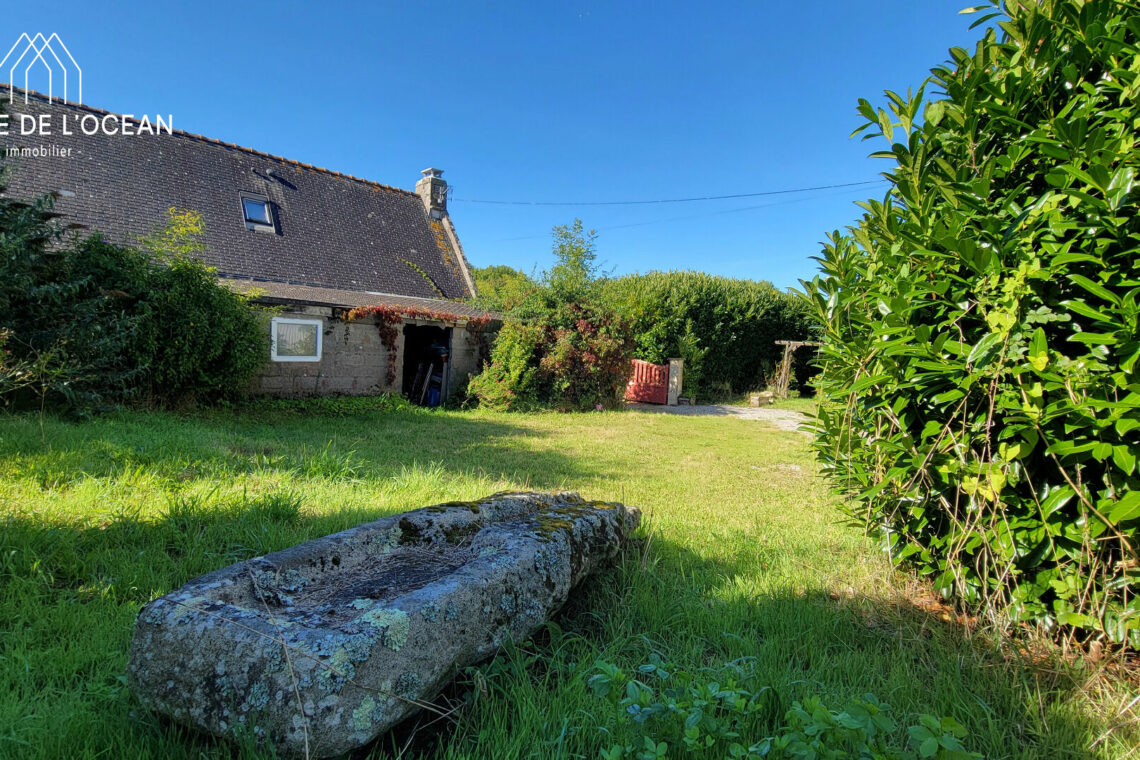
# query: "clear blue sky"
[524,101]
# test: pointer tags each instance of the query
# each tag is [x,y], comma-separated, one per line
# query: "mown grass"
[743,555]
[794,402]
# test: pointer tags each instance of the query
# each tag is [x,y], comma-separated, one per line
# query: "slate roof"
[335,231]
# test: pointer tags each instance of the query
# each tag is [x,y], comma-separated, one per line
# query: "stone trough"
[320,648]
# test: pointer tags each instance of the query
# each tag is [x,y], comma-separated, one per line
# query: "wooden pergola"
[784,375]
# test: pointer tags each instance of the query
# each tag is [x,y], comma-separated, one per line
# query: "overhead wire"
[671,200]
[703,214]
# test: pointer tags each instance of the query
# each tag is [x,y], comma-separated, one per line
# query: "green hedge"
[725,329]
[980,397]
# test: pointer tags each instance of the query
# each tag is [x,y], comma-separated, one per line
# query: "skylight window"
[257,212]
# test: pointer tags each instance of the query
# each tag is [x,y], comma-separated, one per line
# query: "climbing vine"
[388,319]
[427,278]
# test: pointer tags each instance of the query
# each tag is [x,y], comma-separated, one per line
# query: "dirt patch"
[784,419]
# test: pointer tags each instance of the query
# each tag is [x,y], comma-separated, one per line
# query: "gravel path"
[785,419]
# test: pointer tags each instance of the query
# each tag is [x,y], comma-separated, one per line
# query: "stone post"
[676,368]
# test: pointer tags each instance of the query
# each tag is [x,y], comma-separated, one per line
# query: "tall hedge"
[981,401]
[725,329]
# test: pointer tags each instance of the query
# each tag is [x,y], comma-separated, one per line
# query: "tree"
[576,267]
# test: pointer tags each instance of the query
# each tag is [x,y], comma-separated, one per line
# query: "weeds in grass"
[662,709]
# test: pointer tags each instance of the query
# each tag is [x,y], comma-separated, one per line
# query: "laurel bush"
[980,397]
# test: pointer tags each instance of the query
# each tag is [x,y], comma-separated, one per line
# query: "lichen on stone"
[362,715]
[156,613]
[384,544]
[508,604]
[394,624]
[430,612]
[408,685]
[292,580]
[358,647]
[258,696]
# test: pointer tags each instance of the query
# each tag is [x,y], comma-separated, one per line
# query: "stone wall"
[355,365]
[354,361]
[464,358]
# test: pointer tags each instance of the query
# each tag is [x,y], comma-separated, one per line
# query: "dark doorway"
[427,351]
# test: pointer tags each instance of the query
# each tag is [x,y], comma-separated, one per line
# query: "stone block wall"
[464,358]
[354,362]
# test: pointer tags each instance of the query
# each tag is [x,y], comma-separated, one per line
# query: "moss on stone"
[457,534]
[410,533]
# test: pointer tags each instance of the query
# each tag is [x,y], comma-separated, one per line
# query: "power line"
[687,217]
[669,200]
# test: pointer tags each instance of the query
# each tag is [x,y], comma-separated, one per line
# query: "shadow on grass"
[373,446]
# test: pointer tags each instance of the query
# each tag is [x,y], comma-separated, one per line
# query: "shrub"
[74,322]
[205,339]
[91,324]
[573,358]
[725,329]
[979,389]
[561,346]
[509,381]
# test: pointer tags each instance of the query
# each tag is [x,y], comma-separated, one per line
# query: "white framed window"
[295,339]
[257,212]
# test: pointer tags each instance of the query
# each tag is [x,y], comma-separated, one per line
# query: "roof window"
[257,212]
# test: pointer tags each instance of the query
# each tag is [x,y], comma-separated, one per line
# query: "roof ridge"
[210,140]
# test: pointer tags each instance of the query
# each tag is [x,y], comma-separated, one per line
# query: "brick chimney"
[432,190]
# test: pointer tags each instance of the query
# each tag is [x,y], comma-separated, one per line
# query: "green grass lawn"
[794,402]
[742,557]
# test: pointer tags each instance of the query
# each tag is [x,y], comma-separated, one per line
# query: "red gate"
[649,383]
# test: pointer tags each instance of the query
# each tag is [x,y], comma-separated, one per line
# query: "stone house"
[311,242]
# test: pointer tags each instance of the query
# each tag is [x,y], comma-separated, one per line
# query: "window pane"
[256,211]
[296,340]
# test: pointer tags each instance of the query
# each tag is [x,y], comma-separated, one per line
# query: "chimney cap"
[430,172]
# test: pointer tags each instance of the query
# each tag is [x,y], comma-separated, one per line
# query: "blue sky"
[550,102]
